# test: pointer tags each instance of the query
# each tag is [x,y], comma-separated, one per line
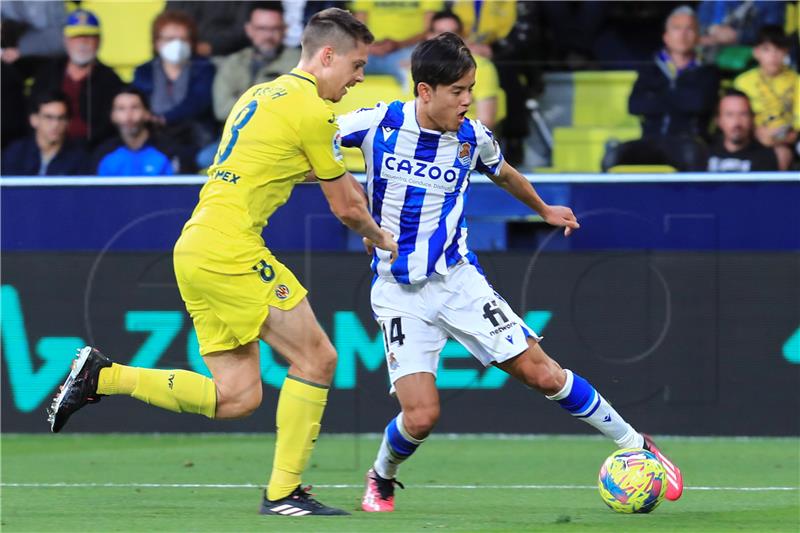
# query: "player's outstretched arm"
[349,204]
[520,188]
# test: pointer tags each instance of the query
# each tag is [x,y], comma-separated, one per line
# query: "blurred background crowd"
[143,87]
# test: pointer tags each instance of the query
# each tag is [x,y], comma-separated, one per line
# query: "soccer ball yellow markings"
[632,480]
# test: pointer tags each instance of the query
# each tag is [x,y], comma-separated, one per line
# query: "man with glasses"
[47,152]
[264,61]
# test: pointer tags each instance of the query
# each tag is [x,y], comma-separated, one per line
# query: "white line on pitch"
[350,486]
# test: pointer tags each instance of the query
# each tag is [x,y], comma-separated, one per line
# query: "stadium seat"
[126,26]
[374,89]
[641,169]
[598,111]
[601,99]
[581,149]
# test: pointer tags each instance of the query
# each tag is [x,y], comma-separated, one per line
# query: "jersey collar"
[303,75]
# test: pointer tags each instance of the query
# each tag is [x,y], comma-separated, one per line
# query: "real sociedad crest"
[465,154]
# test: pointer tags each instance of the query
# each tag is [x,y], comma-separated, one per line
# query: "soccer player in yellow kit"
[278,134]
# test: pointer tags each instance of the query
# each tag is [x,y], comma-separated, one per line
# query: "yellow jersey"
[486,22]
[396,19]
[772,99]
[275,134]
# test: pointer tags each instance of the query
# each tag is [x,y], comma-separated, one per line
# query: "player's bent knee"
[325,357]
[420,422]
[239,404]
[545,378]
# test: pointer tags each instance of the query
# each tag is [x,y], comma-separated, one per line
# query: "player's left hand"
[561,216]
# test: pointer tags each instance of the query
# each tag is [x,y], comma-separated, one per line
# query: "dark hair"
[737,93]
[265,6]
[177,17]
[334,26]
[444,15]
[442,60]
[40,98]
[130,89]
[774,35]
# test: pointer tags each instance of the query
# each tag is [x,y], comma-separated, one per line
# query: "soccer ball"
[632,480]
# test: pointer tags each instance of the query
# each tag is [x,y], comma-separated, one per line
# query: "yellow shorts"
[229,300]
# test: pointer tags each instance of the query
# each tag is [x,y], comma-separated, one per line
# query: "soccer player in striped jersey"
[420,155]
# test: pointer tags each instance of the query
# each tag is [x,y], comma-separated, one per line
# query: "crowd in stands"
[716,89]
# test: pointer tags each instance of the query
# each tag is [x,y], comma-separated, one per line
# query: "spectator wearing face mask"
[177,85]
[88,84]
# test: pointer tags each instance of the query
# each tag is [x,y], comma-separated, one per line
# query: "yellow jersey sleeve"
[322,142]
[383,16]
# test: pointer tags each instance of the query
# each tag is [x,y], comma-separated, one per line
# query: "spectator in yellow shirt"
[486,94]
[772,88]
[485,23]
[398,25]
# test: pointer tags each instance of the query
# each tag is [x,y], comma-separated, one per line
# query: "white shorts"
[416,321]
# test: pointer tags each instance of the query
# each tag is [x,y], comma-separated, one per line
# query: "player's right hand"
[559,215]
[387,243]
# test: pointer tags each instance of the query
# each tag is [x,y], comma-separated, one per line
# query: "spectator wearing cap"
[47,152]
[676,96]
[772,88]
[136,151]
[88,84]
[735,150]
[177,84]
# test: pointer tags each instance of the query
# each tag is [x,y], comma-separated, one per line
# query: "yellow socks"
[300,407]
[176,390]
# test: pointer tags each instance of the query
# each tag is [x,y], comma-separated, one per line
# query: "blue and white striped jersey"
[417,180]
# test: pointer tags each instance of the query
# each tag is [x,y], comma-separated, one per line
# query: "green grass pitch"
[126,483]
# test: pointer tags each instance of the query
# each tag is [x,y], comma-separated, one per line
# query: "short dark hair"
[735,93]
[264,6]
[442,60]
[774,35]
[444,15]
[130,89]
[48,96]
[334,25]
